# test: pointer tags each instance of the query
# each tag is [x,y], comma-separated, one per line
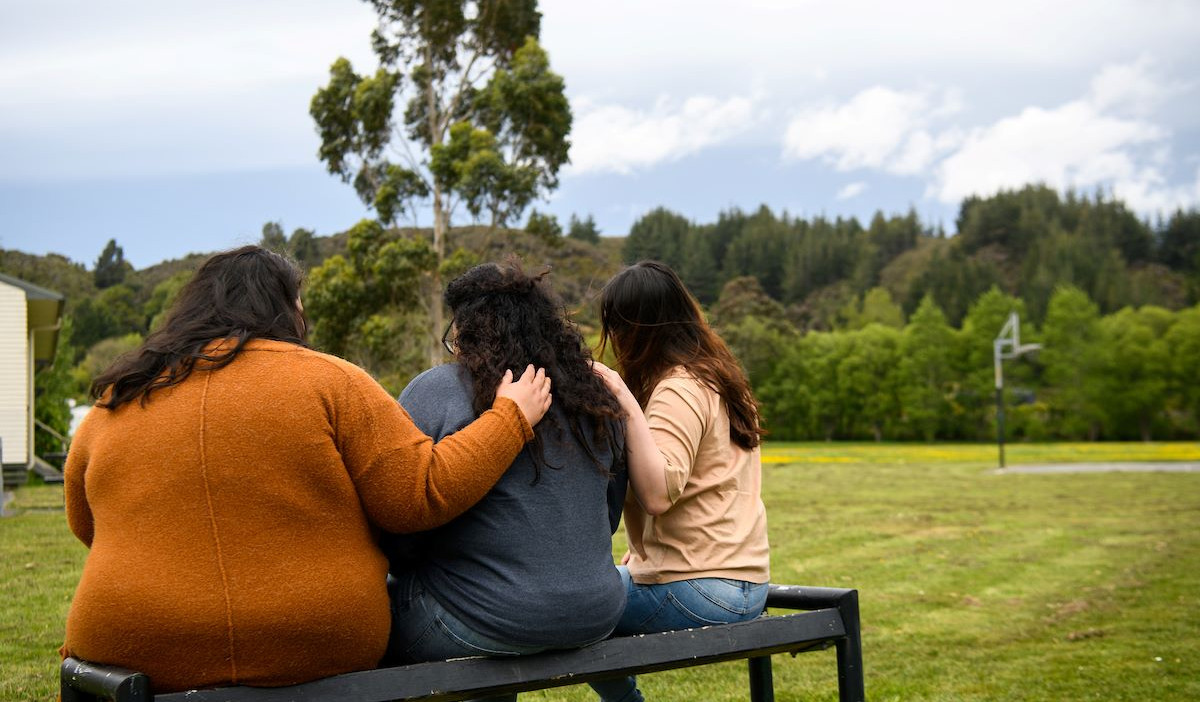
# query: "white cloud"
[1074,145]
[1132,87]
[921,149]
[1108,138]
[1105,139]
[132,88]
[1147,191]
[878,128]
[852,190]
[182,51]
[695,46]
[619,139]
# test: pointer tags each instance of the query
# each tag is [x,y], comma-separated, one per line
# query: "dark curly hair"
[505,319]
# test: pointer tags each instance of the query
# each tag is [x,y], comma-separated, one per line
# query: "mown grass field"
[973,586]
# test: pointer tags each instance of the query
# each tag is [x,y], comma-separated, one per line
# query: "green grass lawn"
[973,586]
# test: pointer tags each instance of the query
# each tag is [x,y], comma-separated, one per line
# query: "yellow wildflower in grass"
[883,454]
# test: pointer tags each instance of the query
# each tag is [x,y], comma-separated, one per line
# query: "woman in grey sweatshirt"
[530,567]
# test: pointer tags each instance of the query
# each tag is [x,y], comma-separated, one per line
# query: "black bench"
[830,619]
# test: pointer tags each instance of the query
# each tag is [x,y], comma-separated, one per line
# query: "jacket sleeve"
[407,482]
[79,513]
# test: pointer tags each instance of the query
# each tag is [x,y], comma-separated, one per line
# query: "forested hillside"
[848,330]
[886,331]
[1025,242]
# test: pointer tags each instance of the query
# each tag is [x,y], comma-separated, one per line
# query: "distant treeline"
[1133,374]
[886,331]
[1026,242]
[847,331]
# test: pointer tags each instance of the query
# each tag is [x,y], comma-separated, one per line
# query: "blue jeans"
[424,630]
[683,604]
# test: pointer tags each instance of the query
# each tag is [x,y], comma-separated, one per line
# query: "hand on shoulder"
[531,392]
[616,384]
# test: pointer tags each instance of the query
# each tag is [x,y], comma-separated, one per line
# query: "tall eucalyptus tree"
[462,110]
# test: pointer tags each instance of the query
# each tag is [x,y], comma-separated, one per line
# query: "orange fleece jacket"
[231,520]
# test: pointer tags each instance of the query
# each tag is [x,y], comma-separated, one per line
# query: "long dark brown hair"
[505,319]
[654,324]
[248,293]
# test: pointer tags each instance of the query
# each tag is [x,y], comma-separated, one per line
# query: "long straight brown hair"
[248,293]
[654,324]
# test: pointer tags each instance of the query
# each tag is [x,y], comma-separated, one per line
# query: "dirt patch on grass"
[1124,467]
[1085,634]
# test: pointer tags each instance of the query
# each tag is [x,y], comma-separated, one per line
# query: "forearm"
[647,465]
[467,463]
[422,485]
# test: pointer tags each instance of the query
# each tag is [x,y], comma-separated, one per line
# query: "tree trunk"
[441,221]
[436,317]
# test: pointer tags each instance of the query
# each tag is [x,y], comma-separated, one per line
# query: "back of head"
[654,324]
[506,319]
[248,293]
[648,296]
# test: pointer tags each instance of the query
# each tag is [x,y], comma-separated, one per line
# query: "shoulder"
[306,359]
[437,381]
[93,421]
[323,373]
[680,382]
[681,394]
[439,400]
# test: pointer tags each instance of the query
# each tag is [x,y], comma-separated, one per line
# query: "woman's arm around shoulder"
[409,483]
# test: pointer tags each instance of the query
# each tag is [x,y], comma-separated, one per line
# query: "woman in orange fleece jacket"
[231,481]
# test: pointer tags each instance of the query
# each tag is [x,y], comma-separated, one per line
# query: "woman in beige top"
[695,519]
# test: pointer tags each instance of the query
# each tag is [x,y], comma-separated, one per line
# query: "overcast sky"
[183,126]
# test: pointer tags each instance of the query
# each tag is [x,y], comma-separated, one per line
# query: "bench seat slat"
[445,681]
[832,620]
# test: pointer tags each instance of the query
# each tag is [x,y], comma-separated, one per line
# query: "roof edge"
[32,291]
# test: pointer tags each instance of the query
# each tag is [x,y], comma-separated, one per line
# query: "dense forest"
[848,331]
[886,331]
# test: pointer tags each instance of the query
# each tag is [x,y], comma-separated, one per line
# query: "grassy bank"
[973,586]
[40,562]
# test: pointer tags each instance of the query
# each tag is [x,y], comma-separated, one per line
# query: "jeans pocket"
[729,595]
[687,612]
[467,643]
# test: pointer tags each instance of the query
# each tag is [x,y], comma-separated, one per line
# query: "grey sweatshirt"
[529,564]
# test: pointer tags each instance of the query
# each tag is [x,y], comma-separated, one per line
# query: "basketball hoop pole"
[1006,345]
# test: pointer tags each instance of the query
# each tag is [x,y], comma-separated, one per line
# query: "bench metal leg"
[762,686]
[849,652]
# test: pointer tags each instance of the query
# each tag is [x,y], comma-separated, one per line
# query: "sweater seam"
[216,534]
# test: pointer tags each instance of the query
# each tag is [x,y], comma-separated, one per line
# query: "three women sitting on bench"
[231,483]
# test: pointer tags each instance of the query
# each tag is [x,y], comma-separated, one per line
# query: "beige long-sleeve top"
[717,524]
